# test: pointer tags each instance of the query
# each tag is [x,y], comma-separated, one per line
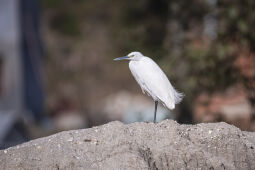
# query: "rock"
[165,145]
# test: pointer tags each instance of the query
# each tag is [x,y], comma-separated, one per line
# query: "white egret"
[152,80]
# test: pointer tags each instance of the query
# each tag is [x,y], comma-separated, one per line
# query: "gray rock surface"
[165,145]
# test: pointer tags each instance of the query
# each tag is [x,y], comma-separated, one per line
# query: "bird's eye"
[132,56]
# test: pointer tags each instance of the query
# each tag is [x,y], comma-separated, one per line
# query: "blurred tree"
[237,24]
[143,26]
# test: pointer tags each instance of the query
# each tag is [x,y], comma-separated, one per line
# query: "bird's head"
[131,56]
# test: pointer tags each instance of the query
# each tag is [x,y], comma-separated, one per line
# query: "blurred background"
[57,70]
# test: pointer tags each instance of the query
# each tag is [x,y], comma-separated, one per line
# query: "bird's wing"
[153,80]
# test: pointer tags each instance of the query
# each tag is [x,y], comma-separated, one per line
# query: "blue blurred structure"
[21,93]
[32,58]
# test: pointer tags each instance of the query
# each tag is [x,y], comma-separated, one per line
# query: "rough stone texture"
[165,145]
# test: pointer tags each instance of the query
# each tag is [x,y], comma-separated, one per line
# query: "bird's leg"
[155,111]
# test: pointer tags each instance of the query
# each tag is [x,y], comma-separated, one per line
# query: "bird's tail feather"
[175,99]
[178,96]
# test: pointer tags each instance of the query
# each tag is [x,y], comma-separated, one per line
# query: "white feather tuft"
[178,96]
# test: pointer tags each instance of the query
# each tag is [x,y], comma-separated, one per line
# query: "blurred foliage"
[64,18]
[66,23]
[237,21]
[143,26]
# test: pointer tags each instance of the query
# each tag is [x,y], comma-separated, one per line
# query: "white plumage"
[152,80]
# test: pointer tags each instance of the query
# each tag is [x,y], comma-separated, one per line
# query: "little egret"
[152,80]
